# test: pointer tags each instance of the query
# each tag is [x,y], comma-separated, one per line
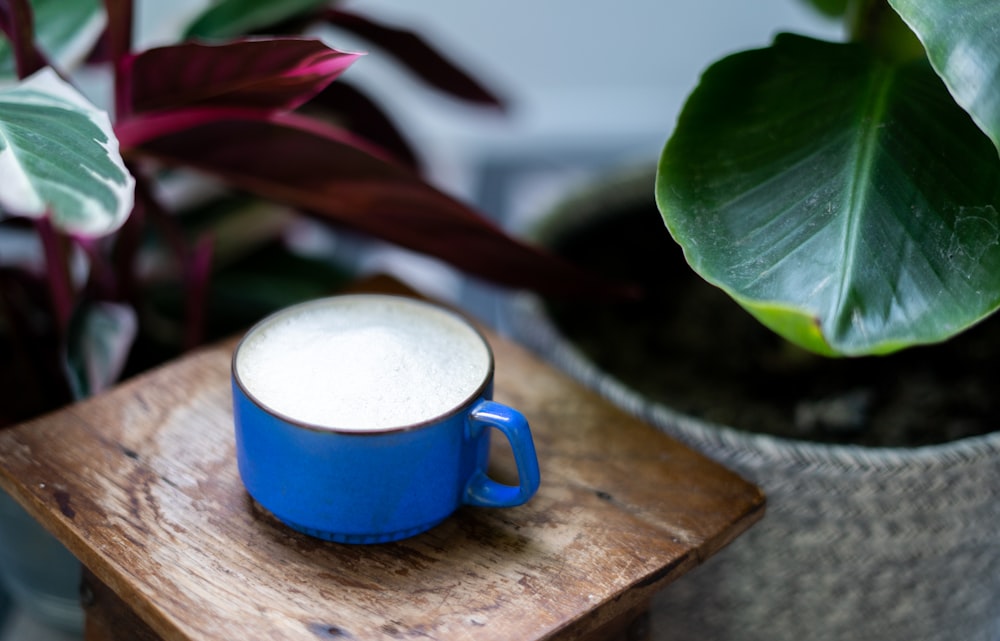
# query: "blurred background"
[591,87]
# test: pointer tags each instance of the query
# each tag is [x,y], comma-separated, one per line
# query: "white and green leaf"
[59,157]
[101,336]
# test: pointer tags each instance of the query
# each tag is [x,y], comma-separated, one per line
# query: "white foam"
[363,362]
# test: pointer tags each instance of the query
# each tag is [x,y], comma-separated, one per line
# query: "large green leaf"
[962,39]
[65,29]
[848,203]
[59,156]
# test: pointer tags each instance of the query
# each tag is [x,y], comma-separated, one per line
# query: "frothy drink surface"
[363,363]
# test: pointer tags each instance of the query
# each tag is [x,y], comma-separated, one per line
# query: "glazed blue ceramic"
[378,486]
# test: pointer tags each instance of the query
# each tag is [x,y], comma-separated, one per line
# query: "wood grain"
[141,484]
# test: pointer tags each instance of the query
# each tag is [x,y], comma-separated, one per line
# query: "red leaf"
[17,21]
[418,56]
[137,131]
[311,166]
[362,116]
[265,73]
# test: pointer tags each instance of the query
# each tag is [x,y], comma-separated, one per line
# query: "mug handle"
[481,489]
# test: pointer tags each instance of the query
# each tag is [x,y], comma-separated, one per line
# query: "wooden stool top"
[141,485]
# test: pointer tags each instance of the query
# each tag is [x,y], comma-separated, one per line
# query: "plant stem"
[198,271]
[194,264]
[17,21]
[126,247]
[119,33]
[55,247]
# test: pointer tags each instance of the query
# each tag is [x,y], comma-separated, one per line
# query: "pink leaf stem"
[55,247]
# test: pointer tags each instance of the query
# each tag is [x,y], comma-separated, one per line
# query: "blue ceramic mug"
[367,418]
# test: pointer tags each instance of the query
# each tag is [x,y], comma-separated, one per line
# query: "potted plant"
[105,271]
[847,196]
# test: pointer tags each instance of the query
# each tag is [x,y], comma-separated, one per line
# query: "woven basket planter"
[857,544]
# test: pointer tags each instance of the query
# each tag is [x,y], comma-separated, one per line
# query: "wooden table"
[141,485]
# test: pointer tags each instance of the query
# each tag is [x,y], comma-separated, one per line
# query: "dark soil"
[690,346]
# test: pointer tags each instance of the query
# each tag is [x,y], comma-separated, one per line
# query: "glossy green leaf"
[962,39]
[848,203]
[230,18]
[65,29]
[59,156]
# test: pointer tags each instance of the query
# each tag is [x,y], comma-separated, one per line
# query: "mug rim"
[408,427]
